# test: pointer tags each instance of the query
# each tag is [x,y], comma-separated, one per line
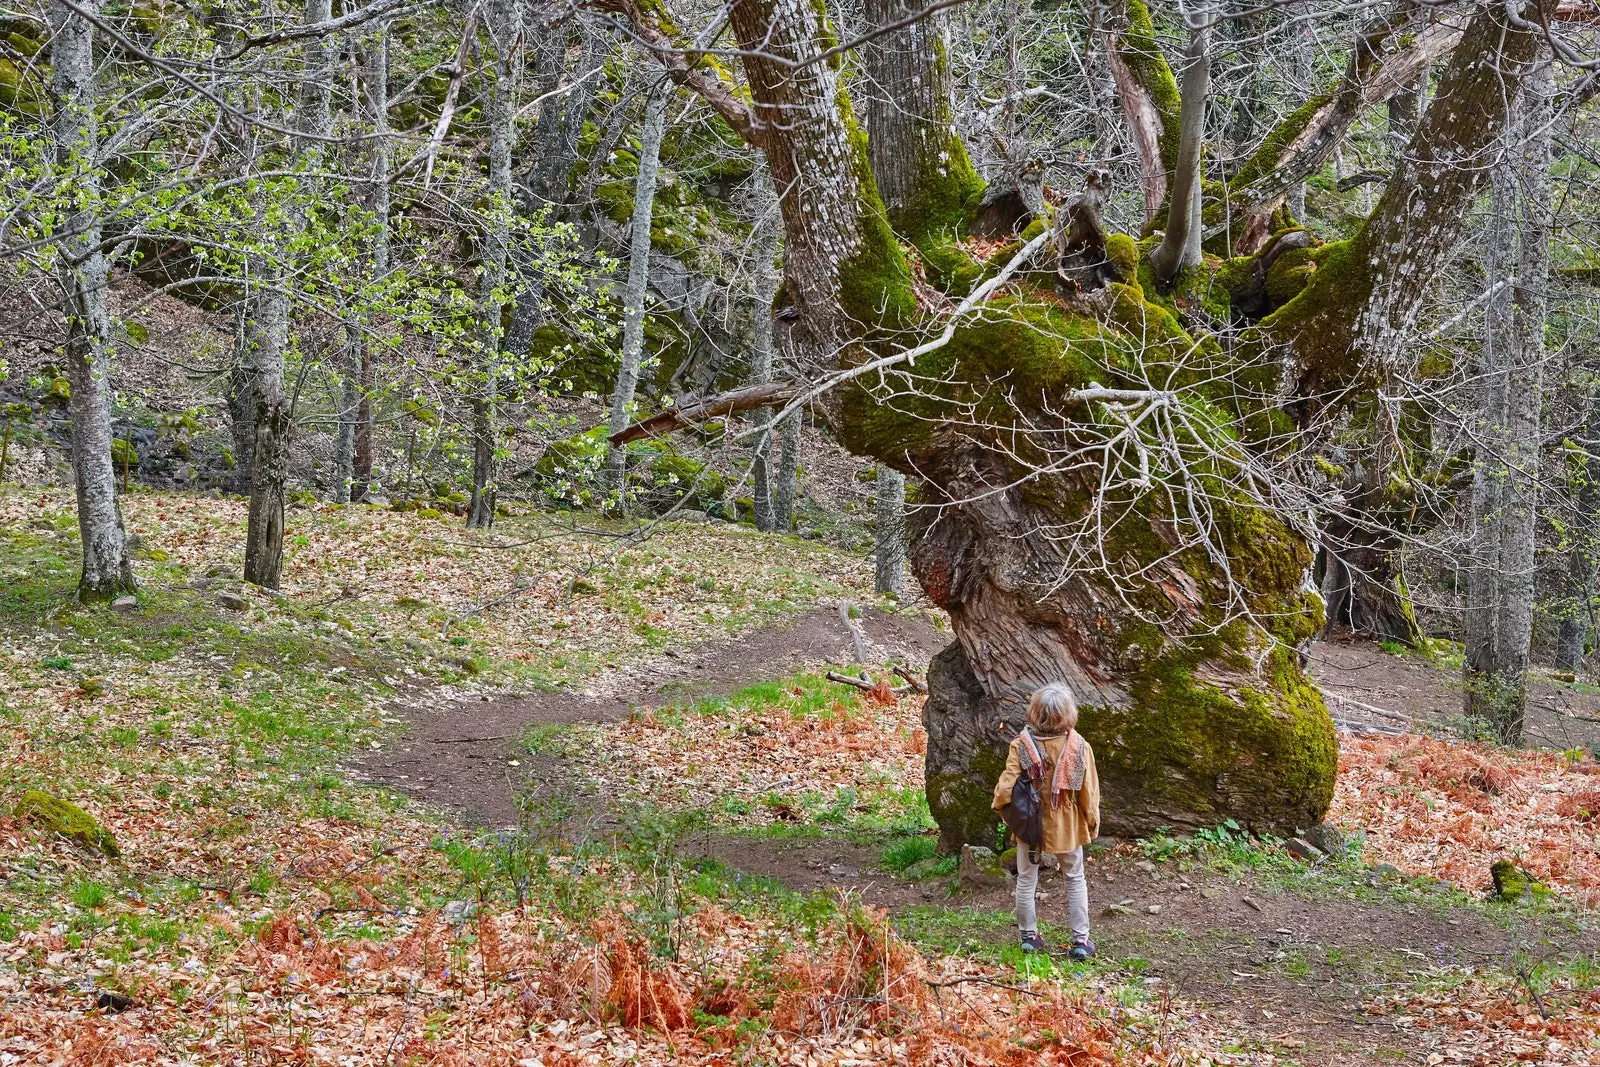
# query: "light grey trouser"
[1077,892]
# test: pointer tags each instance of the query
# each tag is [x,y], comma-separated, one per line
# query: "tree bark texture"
[762,350]
[889,573]
[1176,250]
[1352,324]
[924,176]
[1177,630]
[1148,94]
[269,463]
[1499,619]
[1577,607]
[504,23]
[637,287]
[82,273]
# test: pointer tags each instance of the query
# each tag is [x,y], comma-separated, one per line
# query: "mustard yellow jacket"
[1077,821]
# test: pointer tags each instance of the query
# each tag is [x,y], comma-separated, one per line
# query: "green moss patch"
[66,819]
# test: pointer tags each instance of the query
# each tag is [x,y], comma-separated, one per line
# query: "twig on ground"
[864,683]
[1527,983]
[918,684]
[982,981]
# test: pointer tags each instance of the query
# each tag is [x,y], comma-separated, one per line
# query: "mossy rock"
[1512,883]
[123,454]
[68,820]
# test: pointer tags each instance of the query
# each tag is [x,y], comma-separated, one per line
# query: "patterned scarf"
[1069,769]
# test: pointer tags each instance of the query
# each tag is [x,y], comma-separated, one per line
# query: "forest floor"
[642,827]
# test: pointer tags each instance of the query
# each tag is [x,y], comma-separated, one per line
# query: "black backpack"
[1024,816]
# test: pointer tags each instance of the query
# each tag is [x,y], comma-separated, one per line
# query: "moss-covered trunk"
[1197,713]
[1089,508]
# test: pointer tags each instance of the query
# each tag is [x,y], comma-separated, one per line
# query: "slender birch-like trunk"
[889,575]
[1499,621]
[1583,553]
[269,474]
[504,21]
[353,452]
[637,286]
[786,482]
[762,347]
[82,272]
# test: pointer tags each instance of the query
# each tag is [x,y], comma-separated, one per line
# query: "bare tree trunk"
[889,576]
[762,348]
[378,94]
[352,356]
[1577,609]
[504,22]
[637,287]
[918,161]
[269,471]
[788,474]
[1180,245]
[1505,474]
[269,464]
[82,272]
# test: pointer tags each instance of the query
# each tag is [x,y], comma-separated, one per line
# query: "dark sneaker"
[1032,942]
[1081,951]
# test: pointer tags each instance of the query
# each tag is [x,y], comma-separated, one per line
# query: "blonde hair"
[1053,709]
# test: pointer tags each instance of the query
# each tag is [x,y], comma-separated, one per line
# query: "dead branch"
[732,402]
[918,684]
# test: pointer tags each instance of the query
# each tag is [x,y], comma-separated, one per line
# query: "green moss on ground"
[68,820]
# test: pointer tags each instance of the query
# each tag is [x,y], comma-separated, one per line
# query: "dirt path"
[1293,969]
[1362,682]
[458,754]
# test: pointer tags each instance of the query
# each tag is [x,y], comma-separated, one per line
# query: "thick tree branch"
[688,69]
[748,398]
[1170,256]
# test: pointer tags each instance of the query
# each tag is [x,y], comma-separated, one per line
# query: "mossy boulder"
[66,819]
[1512,883]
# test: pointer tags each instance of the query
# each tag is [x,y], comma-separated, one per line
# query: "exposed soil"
[458,754]
[1362,682]
[1290,969]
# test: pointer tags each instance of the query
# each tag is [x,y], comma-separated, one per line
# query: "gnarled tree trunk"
[1148,578]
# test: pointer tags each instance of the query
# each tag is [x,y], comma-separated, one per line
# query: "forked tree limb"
[748,398]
